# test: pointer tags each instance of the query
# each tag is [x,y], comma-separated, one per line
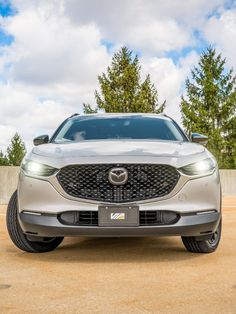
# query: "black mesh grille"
[146,218]
[145,181]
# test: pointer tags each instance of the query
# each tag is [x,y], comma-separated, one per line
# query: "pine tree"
[210,106]
[88,109]
[16,151]
[3,159]
[122,89]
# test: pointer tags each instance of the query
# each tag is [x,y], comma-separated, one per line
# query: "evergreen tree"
[122,89]
[16,151]
[210,106]
[88,109]
[3,159]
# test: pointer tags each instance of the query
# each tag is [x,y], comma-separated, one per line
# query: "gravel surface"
[120,275]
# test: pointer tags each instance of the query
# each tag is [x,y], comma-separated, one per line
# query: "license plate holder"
[118,216]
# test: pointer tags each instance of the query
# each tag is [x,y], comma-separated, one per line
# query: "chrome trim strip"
[206,212]
[31,213]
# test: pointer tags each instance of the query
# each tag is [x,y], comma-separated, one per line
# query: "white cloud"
[49,49]
[7,132]
[221,31]
[169,79]
[22,112]
[150,26]
[51,70]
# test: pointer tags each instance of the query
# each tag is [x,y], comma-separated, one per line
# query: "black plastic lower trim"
[47,225]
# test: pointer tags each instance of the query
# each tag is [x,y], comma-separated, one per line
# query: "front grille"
[145,181]
[146,218]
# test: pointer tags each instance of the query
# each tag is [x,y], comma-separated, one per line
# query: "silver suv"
[117,175]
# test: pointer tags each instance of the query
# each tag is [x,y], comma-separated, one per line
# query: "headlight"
[203,167]
[34,168]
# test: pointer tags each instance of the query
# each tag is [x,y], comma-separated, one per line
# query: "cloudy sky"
[51,52]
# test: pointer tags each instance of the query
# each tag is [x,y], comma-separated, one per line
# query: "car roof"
[133,114]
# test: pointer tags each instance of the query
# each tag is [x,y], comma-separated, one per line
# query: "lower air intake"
[146,218]
[157,217]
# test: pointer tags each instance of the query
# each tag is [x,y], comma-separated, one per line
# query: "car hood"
[118,148]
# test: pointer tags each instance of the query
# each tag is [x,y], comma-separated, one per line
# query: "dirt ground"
[121,275]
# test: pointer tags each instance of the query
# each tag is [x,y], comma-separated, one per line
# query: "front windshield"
[86,128]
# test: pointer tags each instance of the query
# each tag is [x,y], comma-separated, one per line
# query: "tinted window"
[129,127]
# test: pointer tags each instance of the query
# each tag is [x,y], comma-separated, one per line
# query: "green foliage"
[16,151]
[210,106]
[122,89]
[3,159]
[88,109]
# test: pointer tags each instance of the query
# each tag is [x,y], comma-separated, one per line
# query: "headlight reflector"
[202,167]
[34,168]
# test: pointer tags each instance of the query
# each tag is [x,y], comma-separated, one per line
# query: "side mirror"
[199,138]
[42,139]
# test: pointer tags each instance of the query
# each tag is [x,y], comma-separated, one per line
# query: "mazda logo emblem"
[118,176]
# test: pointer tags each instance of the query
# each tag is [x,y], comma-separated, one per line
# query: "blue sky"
[51,52]
[6,10]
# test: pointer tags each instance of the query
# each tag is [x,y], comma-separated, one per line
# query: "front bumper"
[41,197]
[45,225]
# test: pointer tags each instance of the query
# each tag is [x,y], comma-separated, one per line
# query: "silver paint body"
[191,194]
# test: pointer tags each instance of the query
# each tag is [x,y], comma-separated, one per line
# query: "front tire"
[19,238]
[192,244]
